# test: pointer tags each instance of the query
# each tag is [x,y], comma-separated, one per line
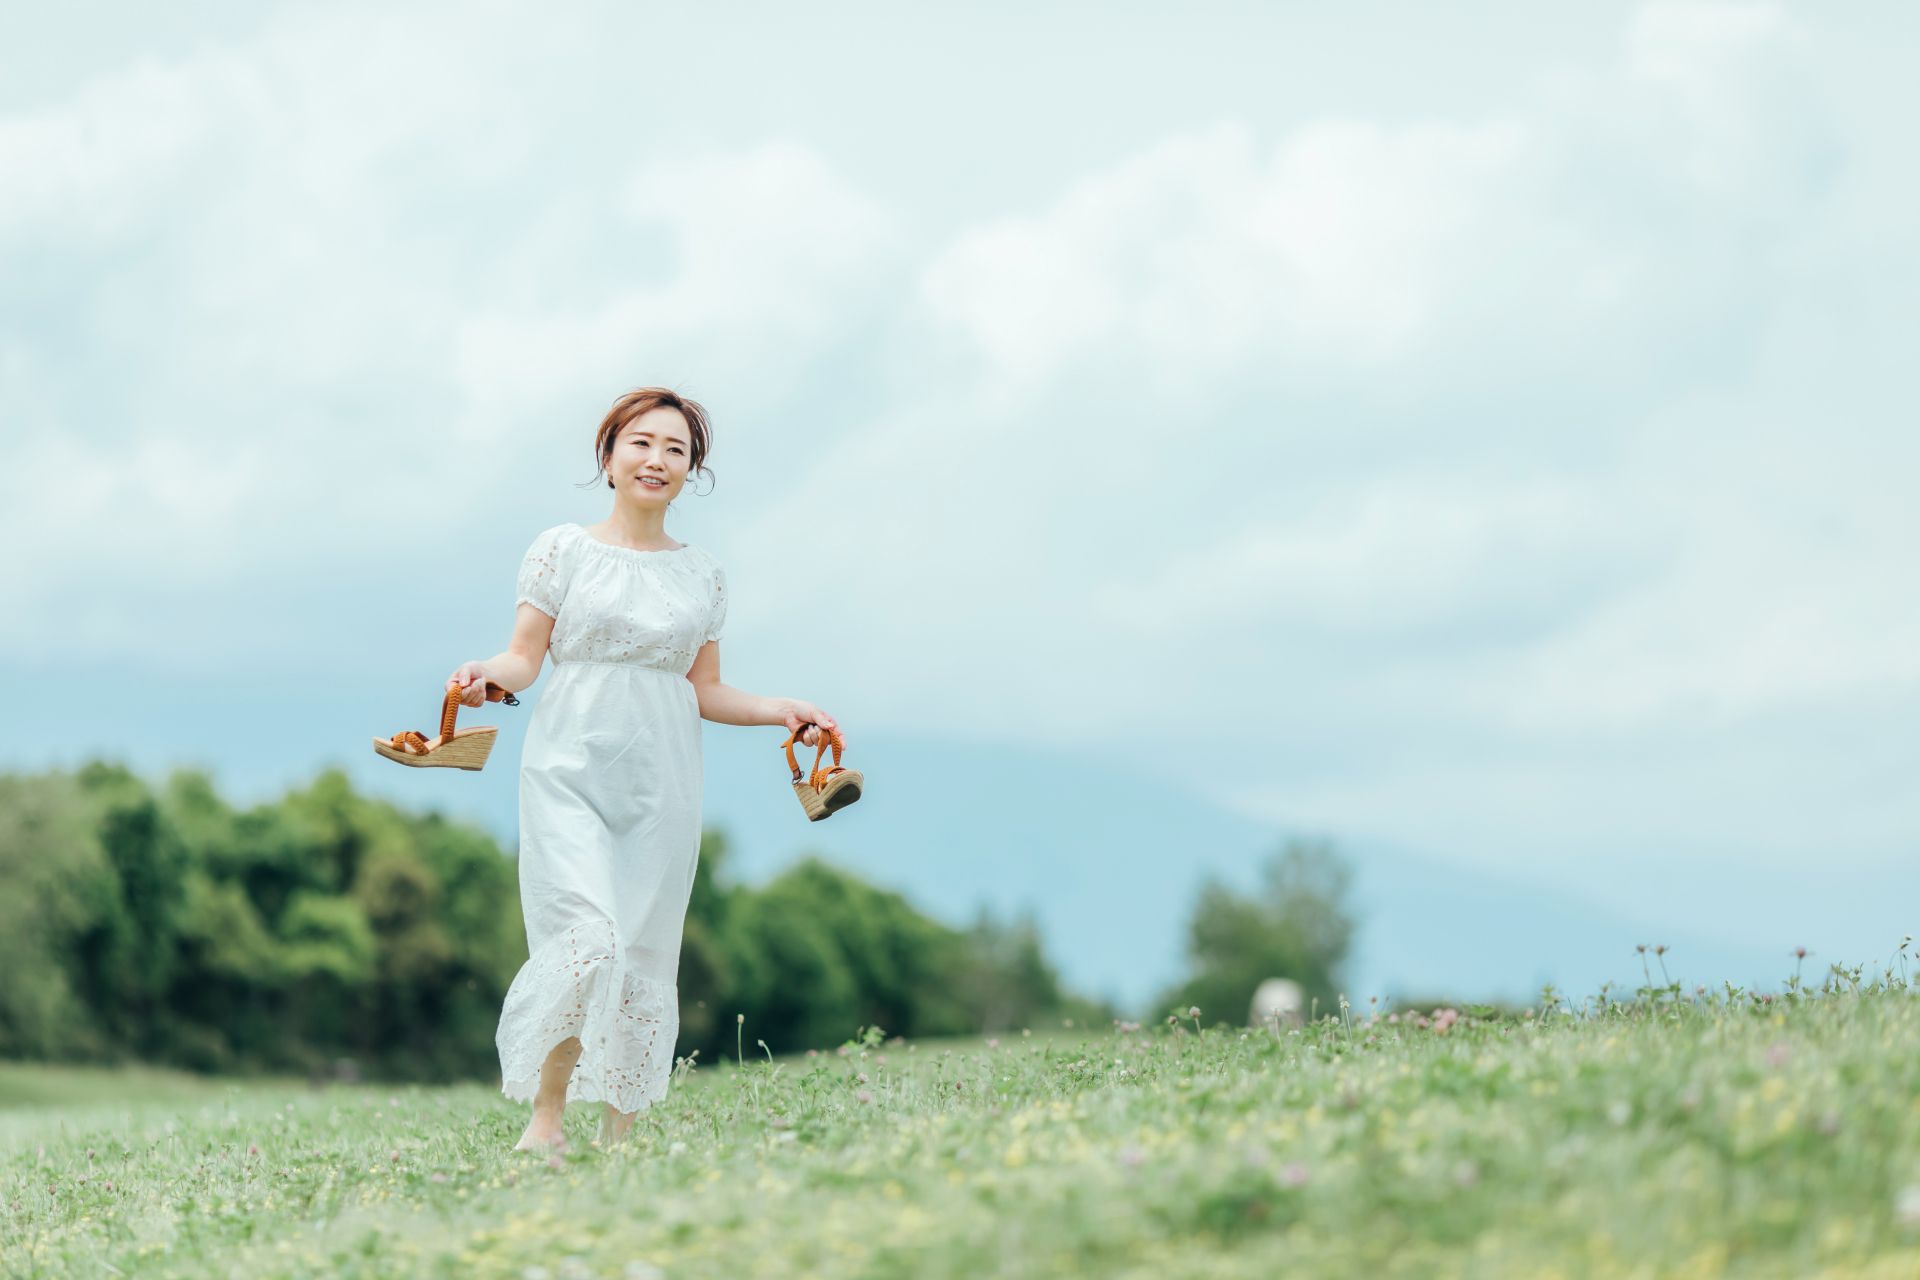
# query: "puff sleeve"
[717,613]
[542,581]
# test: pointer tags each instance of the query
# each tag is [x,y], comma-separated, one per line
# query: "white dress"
[610,795]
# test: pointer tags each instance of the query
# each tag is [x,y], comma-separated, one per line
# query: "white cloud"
[1695,48]
[1501,430]
[1353,445]
[773,256]
[1208,254]
[85,169]
[275,300]
[1399,556]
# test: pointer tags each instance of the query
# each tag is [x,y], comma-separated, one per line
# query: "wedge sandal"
[455,748]
[823,792]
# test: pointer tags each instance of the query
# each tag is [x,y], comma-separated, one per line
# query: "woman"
[611,775]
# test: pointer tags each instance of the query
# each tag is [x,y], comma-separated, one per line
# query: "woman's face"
[654,446]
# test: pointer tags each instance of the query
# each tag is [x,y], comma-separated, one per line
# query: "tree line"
[157,923]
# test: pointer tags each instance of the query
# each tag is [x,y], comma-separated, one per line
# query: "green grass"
[1711,1137]
[25,1085]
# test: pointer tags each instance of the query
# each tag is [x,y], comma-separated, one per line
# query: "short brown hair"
[633,404]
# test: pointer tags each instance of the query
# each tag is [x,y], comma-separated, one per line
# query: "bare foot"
[544,1133]
[614,1125]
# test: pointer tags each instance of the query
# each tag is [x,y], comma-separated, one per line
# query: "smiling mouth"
[651,483]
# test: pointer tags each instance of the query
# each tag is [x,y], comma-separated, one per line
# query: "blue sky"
[1482,437]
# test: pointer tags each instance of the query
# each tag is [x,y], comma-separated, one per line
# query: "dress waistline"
[559,666]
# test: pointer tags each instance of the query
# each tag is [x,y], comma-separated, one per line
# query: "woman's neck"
[640,528]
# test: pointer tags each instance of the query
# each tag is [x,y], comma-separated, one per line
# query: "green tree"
[821,953]
[127,953]
[710,974]
[1296,925]
[795,987]
[51,863]
[1006,981]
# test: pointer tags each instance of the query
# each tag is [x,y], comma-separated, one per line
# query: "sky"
[1481,437]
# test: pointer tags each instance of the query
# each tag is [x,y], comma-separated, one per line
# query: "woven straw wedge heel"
[824,792]
[455,748]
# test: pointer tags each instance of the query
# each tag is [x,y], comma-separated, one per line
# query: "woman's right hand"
[472,677]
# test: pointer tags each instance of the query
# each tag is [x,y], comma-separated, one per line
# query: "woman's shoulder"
[553,537]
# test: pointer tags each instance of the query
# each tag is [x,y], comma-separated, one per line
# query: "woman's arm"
[518,665]
[724,704]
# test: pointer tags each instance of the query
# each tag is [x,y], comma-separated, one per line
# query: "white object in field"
[1276,1003]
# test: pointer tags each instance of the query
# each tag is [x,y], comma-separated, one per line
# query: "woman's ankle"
[612,1119]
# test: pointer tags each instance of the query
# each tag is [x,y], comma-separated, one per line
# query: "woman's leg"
[615,1124]
[547,1129]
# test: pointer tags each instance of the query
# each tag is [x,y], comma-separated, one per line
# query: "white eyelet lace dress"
[610,795]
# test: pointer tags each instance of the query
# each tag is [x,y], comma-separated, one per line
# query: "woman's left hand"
[799,713]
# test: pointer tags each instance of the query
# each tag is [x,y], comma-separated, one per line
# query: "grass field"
[1717,1135]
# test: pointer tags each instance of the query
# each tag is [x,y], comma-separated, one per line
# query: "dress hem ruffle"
[578,985]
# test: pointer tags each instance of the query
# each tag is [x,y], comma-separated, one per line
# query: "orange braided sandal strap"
[827,736]
[449,711]
[415,742]
[788,744]
[450,707]
[820,776]
[793,737]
